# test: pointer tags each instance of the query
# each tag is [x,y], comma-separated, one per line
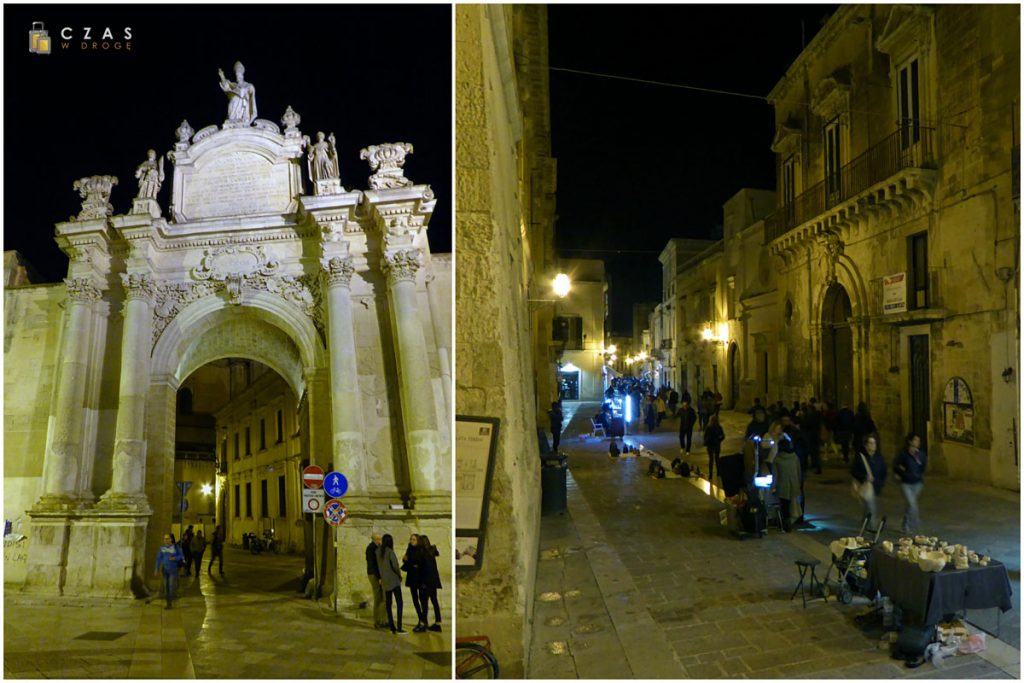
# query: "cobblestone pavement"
[640,580]
[252,623]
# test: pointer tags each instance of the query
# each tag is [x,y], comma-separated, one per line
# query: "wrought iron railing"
[896,152]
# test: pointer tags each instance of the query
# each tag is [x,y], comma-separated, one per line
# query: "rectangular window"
[237,452]
[568,329]
[909,103]
[238,502]
[248,499]
[280,427]
[833,161]
[917,285]
[789,181]
[263,434]
[248,442]
[282,498]
[224,449]
[264,499]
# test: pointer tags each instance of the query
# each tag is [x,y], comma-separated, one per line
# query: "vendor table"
[929,596]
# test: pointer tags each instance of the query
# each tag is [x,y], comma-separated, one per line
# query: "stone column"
[346,401]
[64,453]
[127,488]
[419,420]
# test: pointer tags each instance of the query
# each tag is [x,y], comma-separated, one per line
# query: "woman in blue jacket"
[909,471]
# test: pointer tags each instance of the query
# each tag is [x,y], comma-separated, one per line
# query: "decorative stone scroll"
[833,247]
[338,271]
[402,265]
[95,192]
[83,290]
[387,160]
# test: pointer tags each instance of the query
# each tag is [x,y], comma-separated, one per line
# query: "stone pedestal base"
[146,207]
[92,553]
[353,536]
[328,186]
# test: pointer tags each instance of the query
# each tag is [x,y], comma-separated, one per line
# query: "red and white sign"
[335,512]
[313,477]
[894,294]
[312,500]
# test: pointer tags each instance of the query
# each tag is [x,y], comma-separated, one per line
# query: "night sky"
[639,164]
[371,74]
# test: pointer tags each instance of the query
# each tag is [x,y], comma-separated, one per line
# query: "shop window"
[958,411]
[248,499]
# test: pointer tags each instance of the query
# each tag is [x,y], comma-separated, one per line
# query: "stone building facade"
[579,333]
[505,179]
[262,254]
[889,271]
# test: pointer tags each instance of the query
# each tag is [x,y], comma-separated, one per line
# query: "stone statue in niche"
[323,158]
[241,98]
[150,175]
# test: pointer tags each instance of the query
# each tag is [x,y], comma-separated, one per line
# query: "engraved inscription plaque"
[236,183]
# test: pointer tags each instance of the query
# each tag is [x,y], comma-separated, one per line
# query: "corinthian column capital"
[402,265]
[82,289]
[138,286]
[338,271]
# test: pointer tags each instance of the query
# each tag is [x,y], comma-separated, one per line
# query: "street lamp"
[561,285]
[207,489]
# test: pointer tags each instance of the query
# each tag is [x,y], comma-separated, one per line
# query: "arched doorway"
[837,347]
[734,376]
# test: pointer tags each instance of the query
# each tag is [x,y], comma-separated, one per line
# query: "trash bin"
[553,469]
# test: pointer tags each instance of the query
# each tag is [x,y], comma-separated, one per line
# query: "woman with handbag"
[390,581]
[869,472]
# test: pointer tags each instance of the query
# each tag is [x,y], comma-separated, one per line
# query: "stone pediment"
[832,95]
[788,136]
[236,172]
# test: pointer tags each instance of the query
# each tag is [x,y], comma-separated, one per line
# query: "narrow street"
[639,579]
[251,623]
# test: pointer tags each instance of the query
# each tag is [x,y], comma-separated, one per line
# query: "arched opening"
[734,376]
[237,458]
[259,409]
[837,347]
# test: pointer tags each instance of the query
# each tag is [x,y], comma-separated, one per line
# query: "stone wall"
[494,344]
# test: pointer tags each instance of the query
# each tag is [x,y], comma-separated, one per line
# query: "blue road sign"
[184,486]
[335,484]
[183,505]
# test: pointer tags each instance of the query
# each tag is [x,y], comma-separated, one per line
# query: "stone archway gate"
[336,290]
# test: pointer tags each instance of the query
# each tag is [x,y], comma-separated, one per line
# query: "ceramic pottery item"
[931,561]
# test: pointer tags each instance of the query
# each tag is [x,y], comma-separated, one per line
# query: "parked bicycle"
[474,659]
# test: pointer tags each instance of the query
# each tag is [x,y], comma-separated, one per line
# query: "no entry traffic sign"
[335,484]
[312,500]
[313,477]
[335,512]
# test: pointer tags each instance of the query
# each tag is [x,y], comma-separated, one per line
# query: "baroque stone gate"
[336,290]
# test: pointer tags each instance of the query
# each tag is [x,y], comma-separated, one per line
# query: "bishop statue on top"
[241,98]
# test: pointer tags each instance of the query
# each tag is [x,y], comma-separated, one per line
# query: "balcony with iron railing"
[876,176]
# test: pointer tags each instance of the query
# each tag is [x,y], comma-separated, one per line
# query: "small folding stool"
[803,566]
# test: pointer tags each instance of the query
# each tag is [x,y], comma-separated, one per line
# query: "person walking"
[687,419]
[714,435]
[673,402]
[380,619]
[650,417]
[216,551]
[198,547]
[909,472]
[659,409]
[869,468]
[430,583]
[186,548]
[390,581]
[168,563]
[862,424]
[411,567]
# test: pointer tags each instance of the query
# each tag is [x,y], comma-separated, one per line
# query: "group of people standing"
[422,578]
[173,556]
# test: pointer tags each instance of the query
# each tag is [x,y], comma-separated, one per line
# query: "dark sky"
[371,74]
[639,164]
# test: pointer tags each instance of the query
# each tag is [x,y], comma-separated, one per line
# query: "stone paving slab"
[687,600]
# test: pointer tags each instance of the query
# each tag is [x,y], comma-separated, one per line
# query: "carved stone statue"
[241,97]
[150,175]
[323,158]
[833,248]
[387,160]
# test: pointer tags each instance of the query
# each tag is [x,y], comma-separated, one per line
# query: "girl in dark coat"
[430,583]
[411,567]
[714,435]
[869,465]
